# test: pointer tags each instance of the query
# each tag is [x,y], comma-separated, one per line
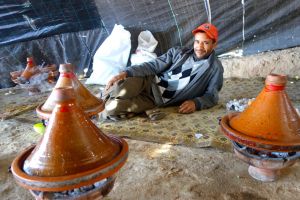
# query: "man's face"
[203,45]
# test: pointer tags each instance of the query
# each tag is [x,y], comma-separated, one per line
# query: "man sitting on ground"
[190,78]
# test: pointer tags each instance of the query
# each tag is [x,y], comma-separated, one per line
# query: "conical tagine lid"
[71,144]
[86,100]
[269,123]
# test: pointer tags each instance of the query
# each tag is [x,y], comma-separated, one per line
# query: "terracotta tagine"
[270,124]
[72,155]
[30,69]
[86,100]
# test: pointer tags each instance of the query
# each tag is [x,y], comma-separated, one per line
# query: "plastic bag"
[146,46]
[111,57]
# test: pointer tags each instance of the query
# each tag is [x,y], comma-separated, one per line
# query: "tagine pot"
[84,98]
[31,69]
[270,124]
[73,152]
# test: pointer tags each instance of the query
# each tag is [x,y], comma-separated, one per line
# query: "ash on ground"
[238,105]
[38,83]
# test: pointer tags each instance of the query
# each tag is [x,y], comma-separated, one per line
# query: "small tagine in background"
[30,69]
[34,76]
[266,134]
[74,159]
[85,99]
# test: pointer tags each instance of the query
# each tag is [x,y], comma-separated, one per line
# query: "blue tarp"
[59,31]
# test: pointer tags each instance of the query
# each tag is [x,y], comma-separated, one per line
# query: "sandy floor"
[162,171]
[187,173]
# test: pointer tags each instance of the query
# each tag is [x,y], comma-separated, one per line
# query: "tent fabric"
[28,20]
[55,27]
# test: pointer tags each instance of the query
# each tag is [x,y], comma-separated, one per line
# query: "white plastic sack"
[111,57]
[146,46]
[146,42]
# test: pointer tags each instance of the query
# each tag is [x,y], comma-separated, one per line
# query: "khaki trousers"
[132,95]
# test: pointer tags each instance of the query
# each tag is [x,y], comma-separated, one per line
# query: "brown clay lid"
[86,100]
[269,123]
[67,67]
[72,148]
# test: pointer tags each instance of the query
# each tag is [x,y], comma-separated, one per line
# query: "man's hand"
[187,107]
[115,79]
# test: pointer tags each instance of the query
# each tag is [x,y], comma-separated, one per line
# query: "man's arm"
[115,79]
[187,107]
[209,99]
[211,95]
[156,66]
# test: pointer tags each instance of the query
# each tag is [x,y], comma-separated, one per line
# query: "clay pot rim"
[252,142]
[89,112]
[66,67]
[62,183]
[276,79]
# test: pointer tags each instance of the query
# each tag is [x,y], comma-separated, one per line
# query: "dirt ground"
[163,171]
[260,65]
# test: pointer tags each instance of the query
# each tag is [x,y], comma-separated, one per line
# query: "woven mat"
[199,129]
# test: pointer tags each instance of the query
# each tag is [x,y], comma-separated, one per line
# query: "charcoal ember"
[87,188]
[104,185]
[266,154]
[280,154]
[74,192]
[292,153]
[263,155]
[65,192]
[59,195]
[100,183]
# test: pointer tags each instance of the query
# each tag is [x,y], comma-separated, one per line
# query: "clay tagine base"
[265,166]
[264,175]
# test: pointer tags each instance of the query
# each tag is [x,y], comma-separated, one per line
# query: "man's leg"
[133,95]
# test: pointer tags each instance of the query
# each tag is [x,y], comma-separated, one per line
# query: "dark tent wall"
[56,31]
[52,31]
